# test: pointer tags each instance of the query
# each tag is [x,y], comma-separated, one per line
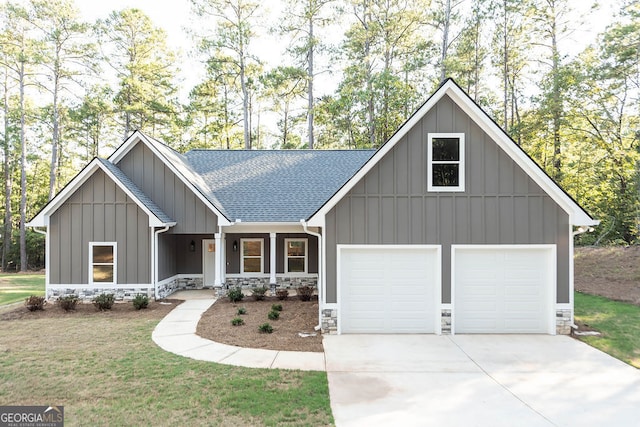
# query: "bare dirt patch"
[610,272]
[296,317]
[120,310]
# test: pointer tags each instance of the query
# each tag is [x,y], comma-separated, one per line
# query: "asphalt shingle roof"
[274,185]
[136,191]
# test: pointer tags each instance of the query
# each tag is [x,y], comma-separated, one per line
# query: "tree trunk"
[7,231]
[505,68]
[23,177]
[245,103]
[445,40]
[310,85]
[53,169]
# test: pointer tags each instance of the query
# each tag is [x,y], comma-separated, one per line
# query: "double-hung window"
[445,165]
[102,262]
[295,256]
[251,256]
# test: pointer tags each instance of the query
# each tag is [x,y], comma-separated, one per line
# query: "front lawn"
[618,322]
[15,287]
[106,370]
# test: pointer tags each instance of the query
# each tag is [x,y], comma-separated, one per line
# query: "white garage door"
[503,289]
[388,289]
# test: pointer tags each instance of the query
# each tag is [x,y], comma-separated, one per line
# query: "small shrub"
[104,301]
[265,328]
[276,307]
[140,301]
[273,315]
[34,303]
[68,303]
[235,294]
[305,293]
[282,294]
[242,311]
[237,321]
[259,292]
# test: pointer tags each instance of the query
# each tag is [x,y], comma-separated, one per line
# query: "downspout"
[320,272]
[154,259]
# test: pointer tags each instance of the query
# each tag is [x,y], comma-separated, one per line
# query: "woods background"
[343,74]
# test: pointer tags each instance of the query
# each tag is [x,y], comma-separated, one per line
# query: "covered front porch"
[245,255]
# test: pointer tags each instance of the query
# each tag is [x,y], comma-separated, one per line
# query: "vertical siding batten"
[501,204]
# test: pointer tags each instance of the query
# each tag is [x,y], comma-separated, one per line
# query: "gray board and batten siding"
[99,211]
[168,191]
[501,204]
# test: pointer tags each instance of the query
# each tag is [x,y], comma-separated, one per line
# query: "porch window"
[251,255]
[102,262]
[295,255]
[445,166]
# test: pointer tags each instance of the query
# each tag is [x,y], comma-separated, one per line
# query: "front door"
[208,262]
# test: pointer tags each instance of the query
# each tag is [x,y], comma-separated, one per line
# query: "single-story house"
[449,227]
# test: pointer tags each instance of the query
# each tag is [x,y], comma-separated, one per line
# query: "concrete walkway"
[176,333]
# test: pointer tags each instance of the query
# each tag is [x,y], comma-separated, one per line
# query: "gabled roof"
[275,185]
[157,218]
[577,215]
[178,164]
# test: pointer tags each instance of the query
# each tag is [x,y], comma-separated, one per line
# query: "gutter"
[305,227]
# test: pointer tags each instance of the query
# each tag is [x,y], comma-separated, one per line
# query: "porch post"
[272,260]
[217,281]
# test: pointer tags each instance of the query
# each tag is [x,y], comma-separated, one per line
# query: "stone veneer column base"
[329,319]
[445,321]
[563,321]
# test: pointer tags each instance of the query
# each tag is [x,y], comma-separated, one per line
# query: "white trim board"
[76,183]
[164,153]
[577,215]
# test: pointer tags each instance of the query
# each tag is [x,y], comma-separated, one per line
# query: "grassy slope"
[618,322]
[16,287]
[107,371]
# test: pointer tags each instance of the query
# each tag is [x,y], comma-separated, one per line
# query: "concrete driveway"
[477,380]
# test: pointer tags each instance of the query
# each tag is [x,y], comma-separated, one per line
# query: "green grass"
[16,287]
[618,322]
[106,370]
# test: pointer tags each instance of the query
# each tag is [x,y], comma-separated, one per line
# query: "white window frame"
[431,162]
[306,256]
[242,272]
[114,245]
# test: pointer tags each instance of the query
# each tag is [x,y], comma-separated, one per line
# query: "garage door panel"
[515,279]
[397,294]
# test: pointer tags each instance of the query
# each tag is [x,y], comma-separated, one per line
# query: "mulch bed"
[296,317]
[120,310]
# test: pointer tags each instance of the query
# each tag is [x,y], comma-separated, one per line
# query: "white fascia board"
[154,221]
[40,220]
[577,216]
[318,217]
[121,152]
